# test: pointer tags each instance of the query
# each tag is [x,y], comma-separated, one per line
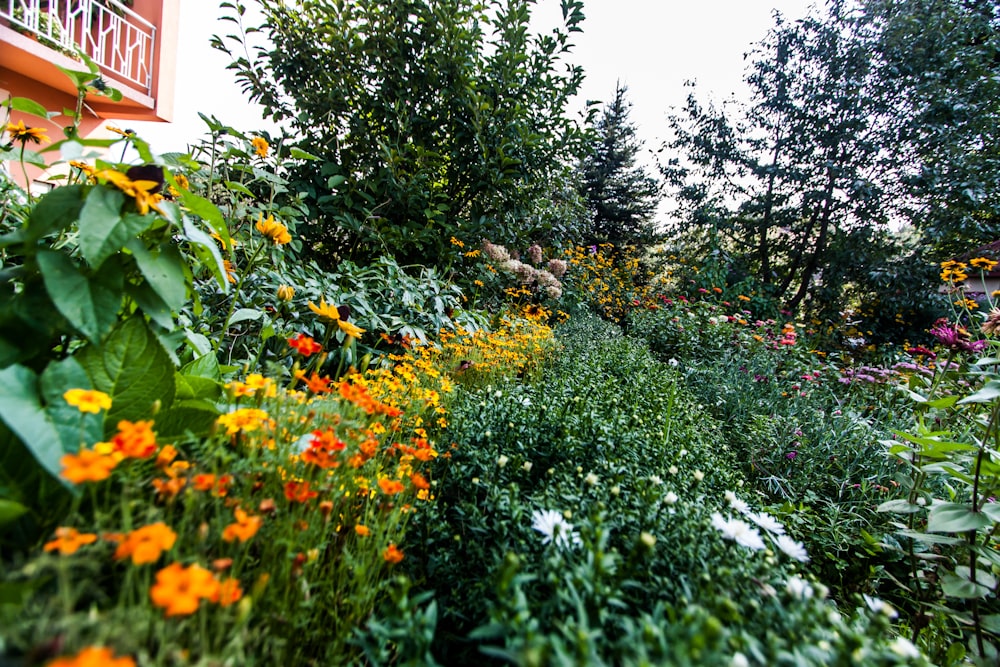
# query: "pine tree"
[621,196]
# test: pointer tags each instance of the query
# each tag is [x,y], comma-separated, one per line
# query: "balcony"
[135,48]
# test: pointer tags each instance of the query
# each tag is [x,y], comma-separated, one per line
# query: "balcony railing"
[115,37]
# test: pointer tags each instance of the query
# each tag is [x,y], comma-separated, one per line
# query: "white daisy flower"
[767,522]
[554,528]
[739,505]
[738,531]
[792,548]
[799,588]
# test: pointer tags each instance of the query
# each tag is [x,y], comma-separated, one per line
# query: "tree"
[799,171]
[432,119]
[940,62]
[621,196]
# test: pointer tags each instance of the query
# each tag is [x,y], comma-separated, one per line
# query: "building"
[133,41]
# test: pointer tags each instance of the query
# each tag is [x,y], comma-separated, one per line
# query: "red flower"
[304,345]
[299,492]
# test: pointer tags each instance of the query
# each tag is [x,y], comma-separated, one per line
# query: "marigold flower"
[350,329]
[362,530]
[330,313]
[304,345]
[245,527]
[88,400]
[317,384]
[69,540]
[299,492]
[392,555]
[166,456]
[260,146]
[93,656]
[146,544]
[135,439]
[87,466]
[180,590]
[273,230]
[419,481]
[228,592]
[244,419]
[24,134]
[390,487]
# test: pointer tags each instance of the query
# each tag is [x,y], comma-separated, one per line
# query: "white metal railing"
[118,39]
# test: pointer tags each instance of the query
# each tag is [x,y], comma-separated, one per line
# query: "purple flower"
[791,455]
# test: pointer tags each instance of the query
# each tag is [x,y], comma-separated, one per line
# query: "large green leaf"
[75,428]
[55,211]
[195,416]
[132,368]
[990,391]
[103,229]
[163,270]
[22,411]
[955,518]
[90,304]
[960,587]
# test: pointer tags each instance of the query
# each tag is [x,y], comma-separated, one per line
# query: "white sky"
[652,46]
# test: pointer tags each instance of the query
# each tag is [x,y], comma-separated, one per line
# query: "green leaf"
[163,270]
[902,506]
[238,187]
[194,387]
[25,105]
[207,251]
[207,211]
[21,410]
[151,304]
[132,368]
[205,366]
[928,538]
[196,416]
[958,587]
[300,154]
[103,229]
[990,391]
[54,212]
[955,518]
[75,428]
[10,510]
[90,304]
[244,314]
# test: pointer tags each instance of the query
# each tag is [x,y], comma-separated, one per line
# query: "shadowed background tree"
[621,196]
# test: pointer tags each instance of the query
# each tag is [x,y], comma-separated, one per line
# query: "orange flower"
[260,146]
[88,400]
[170,487]
[87,466]
[93,656]
[273,230]
[392,555]
[304,345]
[362,531]
[244,419]
[135,440]
[146,544]
[299,492]
[179,590]
[245,527]
[166,456]
[228,592]
[316,384]
[419,481]
[68,540]
[390,487]
[322,449]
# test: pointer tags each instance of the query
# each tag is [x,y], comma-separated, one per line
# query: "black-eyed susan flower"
[260,146]
[273,230]
[18,132]
[324,311]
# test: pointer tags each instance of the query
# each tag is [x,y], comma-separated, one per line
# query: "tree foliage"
[798,171]
[621,196]
[433,119]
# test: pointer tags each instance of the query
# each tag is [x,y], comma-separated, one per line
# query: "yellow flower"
[260,146]
[25,134]
[286,293]
[324,311]
[983,263]
[351,330]
[139,190]
[273,230]
[88,400]
[123,133]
